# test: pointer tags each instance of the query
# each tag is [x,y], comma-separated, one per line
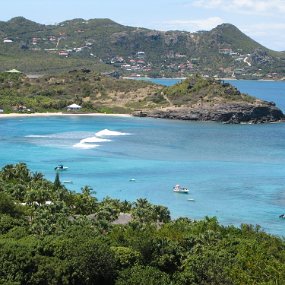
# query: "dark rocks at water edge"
[207,99]
[233,113]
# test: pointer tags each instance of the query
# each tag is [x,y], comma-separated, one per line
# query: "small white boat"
[132,180]
[178,189]
[61,167]
[68,181]
[191,199]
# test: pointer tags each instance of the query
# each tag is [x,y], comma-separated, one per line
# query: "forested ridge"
[50,235]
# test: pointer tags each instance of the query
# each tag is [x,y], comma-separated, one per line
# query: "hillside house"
[52,38]
[140,54]
[73,107]
[63,53]
[5,41]
[23,109]
[14,71]
[225,51]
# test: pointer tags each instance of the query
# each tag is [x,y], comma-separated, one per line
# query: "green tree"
[90,261]
[8,206]
[125,257]
[16,259]
[84,203]
[56,183]
[50,271]
[145,212]
[211,266]
[139,275]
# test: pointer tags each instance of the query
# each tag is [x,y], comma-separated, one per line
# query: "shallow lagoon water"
[234,172]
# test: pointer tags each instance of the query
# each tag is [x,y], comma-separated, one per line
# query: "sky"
[262,20]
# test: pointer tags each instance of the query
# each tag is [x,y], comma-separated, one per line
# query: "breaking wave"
[87,143]
[82,140]
[94,140]
[107,133]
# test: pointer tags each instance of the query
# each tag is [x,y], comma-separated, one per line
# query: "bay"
[234,172]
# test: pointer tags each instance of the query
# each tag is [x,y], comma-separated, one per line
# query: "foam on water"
[107,133]
[87,143]
[55,136]
[94,140]
[37,136]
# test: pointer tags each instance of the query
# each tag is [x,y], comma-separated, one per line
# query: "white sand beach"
[12,115]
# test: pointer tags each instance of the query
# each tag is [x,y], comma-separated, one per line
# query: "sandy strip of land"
[12,115]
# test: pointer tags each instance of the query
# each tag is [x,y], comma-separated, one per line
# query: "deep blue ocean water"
[234,172]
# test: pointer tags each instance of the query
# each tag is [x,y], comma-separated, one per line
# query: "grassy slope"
[99,93]
[196,89]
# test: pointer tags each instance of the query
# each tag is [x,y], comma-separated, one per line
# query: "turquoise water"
[234,172]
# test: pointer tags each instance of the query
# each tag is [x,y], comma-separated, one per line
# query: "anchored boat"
[61,167]
[178,189]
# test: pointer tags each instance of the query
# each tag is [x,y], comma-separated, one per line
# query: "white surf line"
[107,133]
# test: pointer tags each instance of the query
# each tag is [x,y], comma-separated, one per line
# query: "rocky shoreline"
[231,113]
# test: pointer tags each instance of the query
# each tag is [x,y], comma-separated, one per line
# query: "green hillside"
[196,89]
[94,92]
[229,35]
[101,93]
[101,44]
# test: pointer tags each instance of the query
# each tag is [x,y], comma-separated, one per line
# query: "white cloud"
[269,27]
[193,25]
[267,7]
[271,35]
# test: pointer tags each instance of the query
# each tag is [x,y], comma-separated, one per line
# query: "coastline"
[218,78]
[16,115]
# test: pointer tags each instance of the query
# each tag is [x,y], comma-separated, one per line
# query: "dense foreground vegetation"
[49,235]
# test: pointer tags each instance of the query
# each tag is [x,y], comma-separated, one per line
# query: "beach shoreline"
[16,115]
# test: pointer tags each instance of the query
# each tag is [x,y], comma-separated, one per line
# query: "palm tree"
[162,213]
[18,171]
[143,211]
[38,176]
[22,171]
[7,172]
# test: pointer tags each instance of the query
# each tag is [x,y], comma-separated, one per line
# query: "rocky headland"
[199,99]
[234,113]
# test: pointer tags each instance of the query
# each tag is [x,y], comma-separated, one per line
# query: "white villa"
[73,107]
[7,41]
[14,71]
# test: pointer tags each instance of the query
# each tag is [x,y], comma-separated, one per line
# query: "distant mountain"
[103,44]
